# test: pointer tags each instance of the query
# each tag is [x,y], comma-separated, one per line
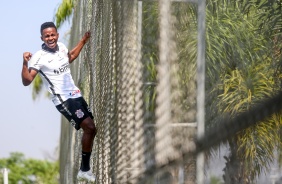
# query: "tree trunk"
[234,171]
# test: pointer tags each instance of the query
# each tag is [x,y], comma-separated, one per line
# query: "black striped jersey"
[54,70]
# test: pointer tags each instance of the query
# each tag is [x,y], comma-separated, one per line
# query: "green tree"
[268,14]
[26,170]
[241,67]
[215,180]
[37,87]
[64,12]
[244,69]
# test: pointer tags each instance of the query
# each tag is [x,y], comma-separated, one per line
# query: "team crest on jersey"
[79,113]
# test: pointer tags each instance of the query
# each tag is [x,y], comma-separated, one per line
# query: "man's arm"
[27,75]
[73,54]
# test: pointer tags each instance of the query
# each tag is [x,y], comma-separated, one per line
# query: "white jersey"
[53,67]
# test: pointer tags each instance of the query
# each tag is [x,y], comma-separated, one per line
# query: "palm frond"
[269,13]
[37,85]
[64,12]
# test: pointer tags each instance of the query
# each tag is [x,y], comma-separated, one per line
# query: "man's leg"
[89,132]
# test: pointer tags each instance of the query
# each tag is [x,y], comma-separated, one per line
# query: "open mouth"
[51,44]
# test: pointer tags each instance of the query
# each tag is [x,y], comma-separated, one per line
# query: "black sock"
[85,161]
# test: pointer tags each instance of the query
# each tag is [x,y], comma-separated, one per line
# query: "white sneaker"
[86,176]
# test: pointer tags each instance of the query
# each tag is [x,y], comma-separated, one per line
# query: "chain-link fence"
[143,74]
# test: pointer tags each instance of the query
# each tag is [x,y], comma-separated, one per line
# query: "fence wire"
[138,73]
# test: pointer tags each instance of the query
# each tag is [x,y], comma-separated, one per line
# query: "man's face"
[50,37]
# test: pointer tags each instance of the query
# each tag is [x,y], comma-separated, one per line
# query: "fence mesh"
[139,75]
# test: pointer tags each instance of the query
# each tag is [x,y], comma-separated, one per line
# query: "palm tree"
[64,12]
[240,71]
[269,17]
[245,69]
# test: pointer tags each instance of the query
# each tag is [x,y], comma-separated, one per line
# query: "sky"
[27,126]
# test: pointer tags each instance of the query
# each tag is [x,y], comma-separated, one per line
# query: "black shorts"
[75,110]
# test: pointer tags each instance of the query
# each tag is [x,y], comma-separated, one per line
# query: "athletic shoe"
[86,176]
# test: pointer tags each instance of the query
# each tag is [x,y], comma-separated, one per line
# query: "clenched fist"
[26,56]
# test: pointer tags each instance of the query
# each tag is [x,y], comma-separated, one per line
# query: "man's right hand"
[27,75]
[26,56]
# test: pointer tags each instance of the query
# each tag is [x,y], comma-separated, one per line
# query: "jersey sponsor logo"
[62,69]
[56,71]
[74,92]
[79,113]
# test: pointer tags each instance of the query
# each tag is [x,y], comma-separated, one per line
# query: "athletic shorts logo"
[79,113]
[72,122]
[89,110]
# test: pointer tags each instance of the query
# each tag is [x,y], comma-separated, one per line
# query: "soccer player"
[52,63]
